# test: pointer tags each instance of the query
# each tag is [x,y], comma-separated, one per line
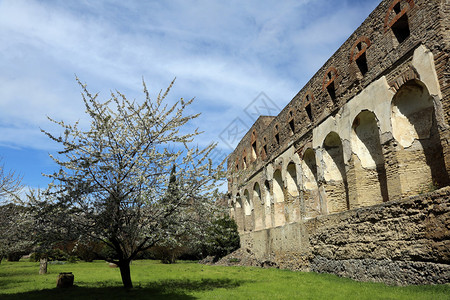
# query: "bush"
[72,259]
[108,254]
[15,256]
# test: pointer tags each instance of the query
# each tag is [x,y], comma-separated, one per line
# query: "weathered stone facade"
[332,172]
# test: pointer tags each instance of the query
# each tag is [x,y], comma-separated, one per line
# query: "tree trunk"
[43,265]
[1,258]
[124,267]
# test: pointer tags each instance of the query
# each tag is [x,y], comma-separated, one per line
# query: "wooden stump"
[43,266]
[65,280]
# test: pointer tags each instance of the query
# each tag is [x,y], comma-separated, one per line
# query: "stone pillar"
[43,265]
[392,173]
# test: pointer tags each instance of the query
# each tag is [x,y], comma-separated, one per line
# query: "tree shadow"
[164,289]
[6,281]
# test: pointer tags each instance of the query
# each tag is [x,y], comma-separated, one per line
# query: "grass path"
[187,280]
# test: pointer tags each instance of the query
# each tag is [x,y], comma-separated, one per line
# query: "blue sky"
[223,53]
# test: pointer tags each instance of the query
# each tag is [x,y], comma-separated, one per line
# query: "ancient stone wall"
[405,241]
[371,126]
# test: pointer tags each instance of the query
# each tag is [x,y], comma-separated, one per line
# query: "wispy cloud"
[224,53]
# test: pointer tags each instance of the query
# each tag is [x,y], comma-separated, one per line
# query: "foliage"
[154,280]
[114,183]
[167,254]
[72,259]
[222,238]
[89,250]
[51,255]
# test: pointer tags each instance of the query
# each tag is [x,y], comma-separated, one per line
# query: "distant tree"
[50,225]
[13,217]
[115,176]
[222,237]
[190,228]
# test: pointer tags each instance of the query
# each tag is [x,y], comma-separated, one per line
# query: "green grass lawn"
[188,280]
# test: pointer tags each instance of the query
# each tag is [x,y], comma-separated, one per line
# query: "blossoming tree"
[114,176]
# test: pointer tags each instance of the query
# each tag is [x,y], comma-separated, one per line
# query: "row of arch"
[329,178]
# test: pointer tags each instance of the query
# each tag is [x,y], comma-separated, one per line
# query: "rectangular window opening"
[309,112]
[331,91]
[362,63]
[277,138]
[265,150]
[401,28]
[292,126]
[254,150]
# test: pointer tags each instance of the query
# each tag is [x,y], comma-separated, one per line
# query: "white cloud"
[222,52]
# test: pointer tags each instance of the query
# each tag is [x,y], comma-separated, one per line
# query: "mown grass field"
[189,280]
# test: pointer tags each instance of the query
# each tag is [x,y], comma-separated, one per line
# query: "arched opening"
[421,166]
[292,203]
[310,187]
[248,210]
[267,205]
[258,207]
[239,213]
[370,182]
[336,187]
[278,197]
[291,180]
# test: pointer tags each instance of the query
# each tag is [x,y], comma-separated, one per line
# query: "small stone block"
[65,280]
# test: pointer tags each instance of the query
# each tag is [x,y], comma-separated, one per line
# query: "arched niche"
[239,213]
[336,187]
[369,184]
[256,193]
[278,197]
[412,113]
[291,179]
[238,201]
[278,194]
[248,207]
[258,207]
[267,205]
[248,211]
[421,166]
[310,186]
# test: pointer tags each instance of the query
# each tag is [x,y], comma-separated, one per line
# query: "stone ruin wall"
[368,131]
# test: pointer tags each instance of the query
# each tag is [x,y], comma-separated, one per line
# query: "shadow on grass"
[166,289]
[6,281]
